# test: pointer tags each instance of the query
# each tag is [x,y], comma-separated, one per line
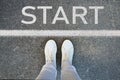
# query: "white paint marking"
[60,33]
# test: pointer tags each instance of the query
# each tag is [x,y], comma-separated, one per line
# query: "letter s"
[29,15]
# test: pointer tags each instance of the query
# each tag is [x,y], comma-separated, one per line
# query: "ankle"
[66,64]
[53,62]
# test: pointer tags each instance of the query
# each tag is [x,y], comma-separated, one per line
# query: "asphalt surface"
[95,58]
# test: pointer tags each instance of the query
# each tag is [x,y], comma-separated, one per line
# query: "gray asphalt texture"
[95,58]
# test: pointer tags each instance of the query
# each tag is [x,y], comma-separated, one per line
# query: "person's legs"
[49,71]
[68,71]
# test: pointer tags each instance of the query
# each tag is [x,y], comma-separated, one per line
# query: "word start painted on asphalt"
[59,11]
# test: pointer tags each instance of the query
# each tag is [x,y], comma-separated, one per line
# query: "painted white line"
[60,33]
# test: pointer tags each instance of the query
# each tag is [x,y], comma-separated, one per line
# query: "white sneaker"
[50,52]
[67,51]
